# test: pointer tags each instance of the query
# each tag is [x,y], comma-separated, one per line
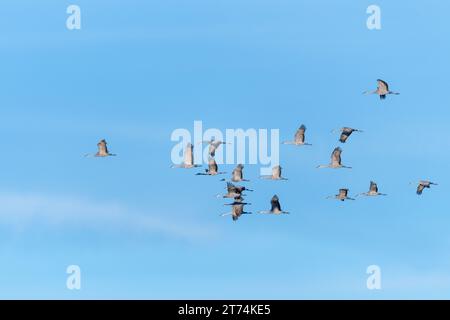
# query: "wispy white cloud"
[27,210]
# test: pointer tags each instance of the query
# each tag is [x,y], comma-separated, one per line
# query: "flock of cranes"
[236,192]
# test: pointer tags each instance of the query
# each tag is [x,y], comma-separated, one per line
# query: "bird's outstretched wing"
[212,166]
[189,155]
[344,136]
[102,148]
[343,193]
[373,187]
[420,188]
[275,204]
[300,134]
[276,172]
[382,85]
[237,172]
[231,188]
[346,132]
[336,156]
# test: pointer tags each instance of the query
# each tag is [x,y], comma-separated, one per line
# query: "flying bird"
[373,191]
[102,150]
[188,158]
[276,207]
[236,211]
[299,137]
[233,191]
[424,184]
[237,175]
[382,89]
[343,195]
[212,169]
[345,133]
[276,174]
[335,160]
[213,145]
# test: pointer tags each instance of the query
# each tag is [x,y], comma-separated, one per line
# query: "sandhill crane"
[237,175]
[233,191]
[236,211]
[276,208]
[382,89]
[188,158]
[343,195]
[335,160]
[102,150]
[345,133]
[213,145]
[276,174]
[212,169]
[424,184]
[373,191]
[299,137]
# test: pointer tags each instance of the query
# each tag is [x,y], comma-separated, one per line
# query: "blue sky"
[137,70]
